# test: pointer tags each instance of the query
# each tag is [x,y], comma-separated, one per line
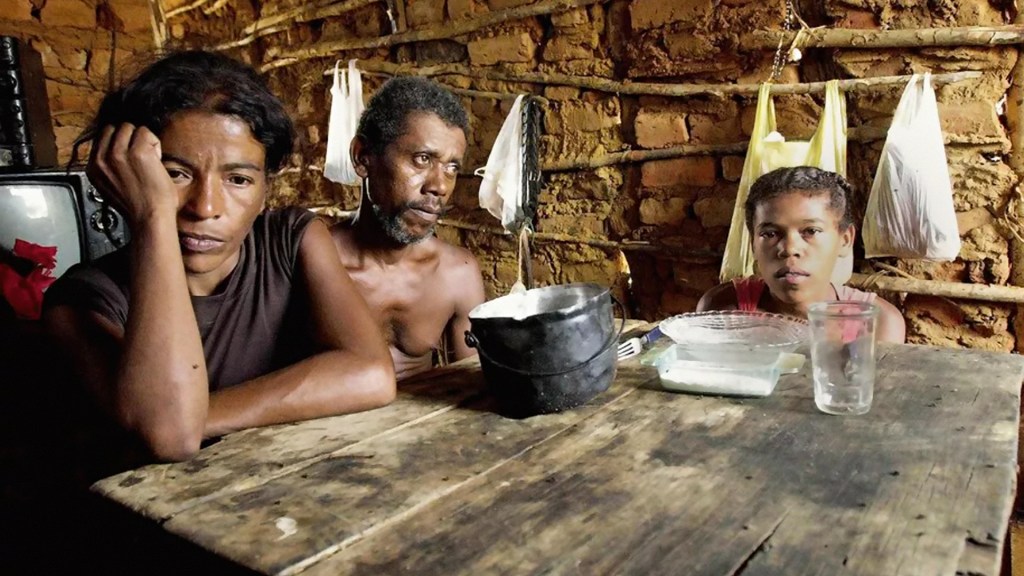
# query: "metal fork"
[634,346]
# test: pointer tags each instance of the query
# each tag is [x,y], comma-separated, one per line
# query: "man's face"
[218,168]
[411,182]
[796,244]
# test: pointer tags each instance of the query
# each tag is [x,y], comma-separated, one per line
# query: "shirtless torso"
[421,295]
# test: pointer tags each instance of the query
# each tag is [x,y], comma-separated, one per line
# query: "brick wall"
[78,40]
[685,203]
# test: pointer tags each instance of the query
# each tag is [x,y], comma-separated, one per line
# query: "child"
[800,223]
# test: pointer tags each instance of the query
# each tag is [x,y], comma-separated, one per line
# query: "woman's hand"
[126,166]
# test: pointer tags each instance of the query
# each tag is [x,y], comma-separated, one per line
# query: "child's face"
[796,244]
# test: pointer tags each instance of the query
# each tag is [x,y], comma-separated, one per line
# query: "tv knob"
[93,194]
[103,220]
[8,52]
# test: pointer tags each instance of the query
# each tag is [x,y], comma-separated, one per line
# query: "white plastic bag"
[501,192]
[769,150]
[346,108]
[910,211]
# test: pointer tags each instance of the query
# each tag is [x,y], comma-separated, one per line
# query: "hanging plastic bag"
[910,210]
[501,191]
[769,150]
[346,108]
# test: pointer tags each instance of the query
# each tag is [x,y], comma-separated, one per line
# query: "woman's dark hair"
[806,180]
[204,81]
[384,119]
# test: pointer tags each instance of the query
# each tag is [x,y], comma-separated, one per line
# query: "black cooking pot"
[547,349]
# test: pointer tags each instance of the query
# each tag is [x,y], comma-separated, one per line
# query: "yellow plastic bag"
[769,150]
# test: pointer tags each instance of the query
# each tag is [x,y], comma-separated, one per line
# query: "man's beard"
[395,229]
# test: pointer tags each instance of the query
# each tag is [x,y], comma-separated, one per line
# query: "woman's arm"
[353,372]
[152,374]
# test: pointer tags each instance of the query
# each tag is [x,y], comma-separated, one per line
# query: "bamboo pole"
[644,88]
[856,134]
[909,38]
[186,8]
[283,21]
[450,30]
[983,292]
[685,254]
[1015,125]
[922,287]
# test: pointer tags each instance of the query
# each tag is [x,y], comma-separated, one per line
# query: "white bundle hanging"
[346,108]
[501,192]
[910,211]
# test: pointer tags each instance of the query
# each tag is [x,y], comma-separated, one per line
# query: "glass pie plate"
[729,352]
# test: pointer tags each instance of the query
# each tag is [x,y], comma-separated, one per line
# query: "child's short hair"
[806,180]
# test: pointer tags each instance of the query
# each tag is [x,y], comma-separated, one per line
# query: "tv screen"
[44,213]
[58,208]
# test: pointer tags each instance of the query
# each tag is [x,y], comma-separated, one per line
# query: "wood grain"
[252,457]
[670,484]
[639,481]
[373,483]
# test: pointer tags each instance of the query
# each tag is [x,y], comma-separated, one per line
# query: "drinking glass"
[843,355]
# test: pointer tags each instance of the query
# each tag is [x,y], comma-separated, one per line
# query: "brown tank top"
[255,324]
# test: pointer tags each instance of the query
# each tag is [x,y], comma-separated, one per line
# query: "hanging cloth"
[503,191]
[346,108]
[910,211]
[769,150]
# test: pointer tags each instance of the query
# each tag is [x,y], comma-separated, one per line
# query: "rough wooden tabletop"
[639,481]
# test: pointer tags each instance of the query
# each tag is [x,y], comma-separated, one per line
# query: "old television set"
[57,207]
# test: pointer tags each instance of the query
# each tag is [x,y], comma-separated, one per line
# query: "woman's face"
[797,241]
[218,168]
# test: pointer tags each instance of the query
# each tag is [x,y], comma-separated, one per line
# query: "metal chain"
[787,26]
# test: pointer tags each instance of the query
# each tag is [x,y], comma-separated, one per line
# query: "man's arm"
[353,372]
[467,289]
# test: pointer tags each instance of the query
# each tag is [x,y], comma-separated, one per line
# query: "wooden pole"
[983,292]
[186,8]
[644,88]
[909,38]
[450,30]
[980,292]
[285,20]
[856,134]
[684,254]
[1015,131]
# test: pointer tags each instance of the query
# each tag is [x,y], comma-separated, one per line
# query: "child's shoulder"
[721,297]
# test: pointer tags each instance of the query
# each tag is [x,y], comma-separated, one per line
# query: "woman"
[218,316]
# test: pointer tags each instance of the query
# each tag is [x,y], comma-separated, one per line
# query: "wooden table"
[639,481]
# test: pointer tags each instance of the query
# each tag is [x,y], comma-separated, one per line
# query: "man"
[218,316]
[408,149]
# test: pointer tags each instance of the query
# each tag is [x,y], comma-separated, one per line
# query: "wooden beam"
[869,38]
[856,134]
[644,88]
[684,254]
[186,8]
[983,292]
[285,20]
[281,58]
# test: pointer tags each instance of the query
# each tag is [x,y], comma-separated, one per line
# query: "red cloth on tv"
[25,293]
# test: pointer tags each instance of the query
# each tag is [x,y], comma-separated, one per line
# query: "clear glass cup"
[843,355]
